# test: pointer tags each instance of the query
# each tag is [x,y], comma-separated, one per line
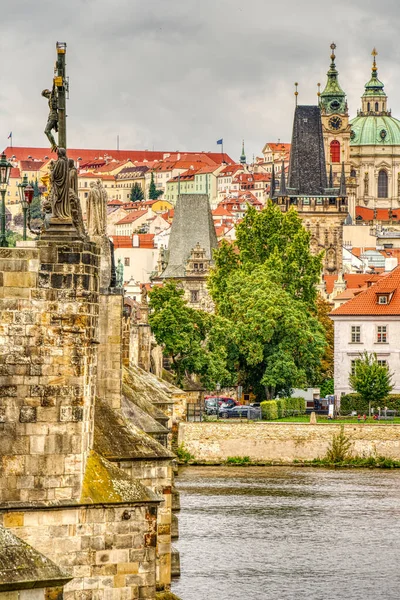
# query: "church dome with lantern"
[374,123]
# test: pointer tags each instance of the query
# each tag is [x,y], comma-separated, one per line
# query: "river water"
[282,533]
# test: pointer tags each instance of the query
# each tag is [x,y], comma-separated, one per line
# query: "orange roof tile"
[146,240]
[133,216]
[353,280]
[366,302]
[379,214]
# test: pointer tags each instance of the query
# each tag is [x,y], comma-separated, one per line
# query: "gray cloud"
[174,74]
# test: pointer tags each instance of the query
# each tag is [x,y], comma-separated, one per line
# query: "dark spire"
[273,184]
[330,176]
[307,170]
[342,189]
[243,155]
[282,190]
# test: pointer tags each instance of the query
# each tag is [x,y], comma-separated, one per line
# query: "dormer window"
[383,299]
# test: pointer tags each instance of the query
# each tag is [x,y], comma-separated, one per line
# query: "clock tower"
[335,124]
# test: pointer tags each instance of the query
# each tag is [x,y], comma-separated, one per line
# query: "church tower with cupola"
[335,123]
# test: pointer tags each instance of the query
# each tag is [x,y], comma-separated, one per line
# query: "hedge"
[269,410]
[282,407]
[354,402]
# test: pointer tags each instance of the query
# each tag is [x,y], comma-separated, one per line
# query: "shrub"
[295,406]
[183,454]
[354,402]
[281,405]
[269,410]
[339,450]
[238,460]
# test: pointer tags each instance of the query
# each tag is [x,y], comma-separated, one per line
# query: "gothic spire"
[342,189]
[243,155]
[330,185]
[282,189]
[273,184]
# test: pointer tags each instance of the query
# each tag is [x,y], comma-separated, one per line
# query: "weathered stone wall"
[49,312]
[284,442]
[109,551]
[158,476]
[109,366]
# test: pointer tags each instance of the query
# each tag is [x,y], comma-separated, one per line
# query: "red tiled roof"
[146,240]
[279,147]
[133,216]
[15,173]
[366,303]
[31,165]
[379,214]
[221,211]
[230,170]
[115,202]
[353,280]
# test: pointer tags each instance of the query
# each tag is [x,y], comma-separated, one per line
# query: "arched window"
[335,151]
[353,173]
[382,184]
[376,107]
[368,107]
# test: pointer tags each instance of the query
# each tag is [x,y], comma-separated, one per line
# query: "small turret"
[374,99]
[243,155]
[273,183]
[282,190]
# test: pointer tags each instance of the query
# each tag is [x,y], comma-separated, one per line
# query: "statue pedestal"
[60,229]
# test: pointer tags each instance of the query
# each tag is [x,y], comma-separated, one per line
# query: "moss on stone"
[116,438]
[23,567]
[104,483]
[135,414]
[166,596]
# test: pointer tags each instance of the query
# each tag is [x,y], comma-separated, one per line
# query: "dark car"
[245,412]
[212,402]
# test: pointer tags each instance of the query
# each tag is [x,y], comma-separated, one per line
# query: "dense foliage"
[154,193]
[282,407]
[354,402]
[136,194]
[372,381]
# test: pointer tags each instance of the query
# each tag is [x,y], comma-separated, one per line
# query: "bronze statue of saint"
[59,193]
[96,211]
[120,274]
[52,121]
[366,184]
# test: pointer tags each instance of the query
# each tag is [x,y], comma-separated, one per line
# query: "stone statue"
[113,280]
[366,184]
[120,274]
[52,121]
[143,295]
[59,192]
[76,210]
[96,213]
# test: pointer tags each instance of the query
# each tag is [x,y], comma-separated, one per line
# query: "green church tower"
[333,98]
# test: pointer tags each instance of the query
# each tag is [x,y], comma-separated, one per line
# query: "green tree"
[136,194]
[192,339]
[275,343]
[274,239]
[154,193]
[370,379]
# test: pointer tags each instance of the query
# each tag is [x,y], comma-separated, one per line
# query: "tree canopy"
[192,339]
[373,381]
[154,193]
[136,194]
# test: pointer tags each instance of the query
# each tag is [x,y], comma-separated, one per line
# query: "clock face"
[335,122]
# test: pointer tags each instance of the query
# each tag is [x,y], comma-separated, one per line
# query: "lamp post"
[29,192]
[5,170]
[21,189]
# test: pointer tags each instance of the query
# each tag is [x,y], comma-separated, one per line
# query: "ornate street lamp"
[21,189]
[5,170]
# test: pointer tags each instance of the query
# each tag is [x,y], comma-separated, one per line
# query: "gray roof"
[192,224]
[307,171]
[23,567]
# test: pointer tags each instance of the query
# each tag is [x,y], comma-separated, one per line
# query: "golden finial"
[319,90]
[374,53]
[333,46]
[296,93]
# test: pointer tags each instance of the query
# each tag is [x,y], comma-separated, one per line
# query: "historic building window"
[381,334]
[194,296]
[376,107]
[353,173]
[368,107]
[127,261]
[355,334]
[353,366]
[383,363]
[382,184]
[335,151]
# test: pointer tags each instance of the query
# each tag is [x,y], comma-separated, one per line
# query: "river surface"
[281,533]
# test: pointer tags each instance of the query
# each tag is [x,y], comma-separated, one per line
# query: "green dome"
[371,130]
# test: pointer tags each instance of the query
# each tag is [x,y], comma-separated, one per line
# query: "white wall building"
[370,322]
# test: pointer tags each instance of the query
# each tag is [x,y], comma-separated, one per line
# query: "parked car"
[212,402]
[247,412]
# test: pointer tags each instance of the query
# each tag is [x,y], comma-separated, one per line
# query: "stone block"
[27,414]
[13,519]
[15,279]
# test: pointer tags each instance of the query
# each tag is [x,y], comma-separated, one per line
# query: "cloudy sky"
[179,74]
